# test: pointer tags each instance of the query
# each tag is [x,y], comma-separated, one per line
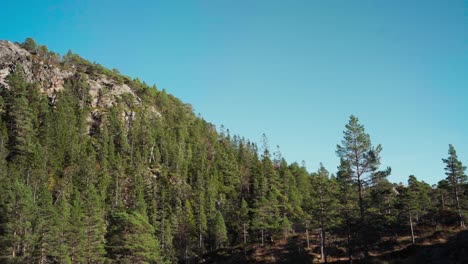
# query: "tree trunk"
[24,244]
[13,253]
[42,257]
[443,202]
[73,253]
[462,223]
[363,225]
[307,236]
[163,221]
[322,231]
[348,226]
[411,226]
[262,237]
[348,238]
[116,190]
[163,230]
[89,248]
[324,240]
[361,203]
[199,218]
[200,241]
[245,235]
[322,253]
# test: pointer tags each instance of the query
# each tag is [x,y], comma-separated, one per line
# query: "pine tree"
[422,190]
[408,201]
[381,201]
[363,159]
[443,192]
[456,177]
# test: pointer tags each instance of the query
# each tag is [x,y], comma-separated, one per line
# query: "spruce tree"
[94,226]
[45,229]
[220,232]
[349,209]
[244,220]
[77,237]
[131,239]
[19,119]
[17,239]
[325,205]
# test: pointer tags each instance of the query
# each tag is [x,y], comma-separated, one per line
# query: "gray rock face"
[104,90]
[113,90]
[50,77]
[10,55]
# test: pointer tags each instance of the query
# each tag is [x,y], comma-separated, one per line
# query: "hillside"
[441,247]
[97,167]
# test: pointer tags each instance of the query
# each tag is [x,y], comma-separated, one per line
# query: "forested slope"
[97,167]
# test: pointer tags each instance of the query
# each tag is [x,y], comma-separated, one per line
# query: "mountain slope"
[96,167]
[99,167]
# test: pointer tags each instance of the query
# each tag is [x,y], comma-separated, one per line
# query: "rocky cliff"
[52,76]
[105,90]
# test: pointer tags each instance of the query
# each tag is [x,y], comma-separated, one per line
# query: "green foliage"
[147,181]
[131,239]
[456,178]
[19,118]
[17,238]
[219,230]
[93,225]
[29,44]
[363,160]
[325,203]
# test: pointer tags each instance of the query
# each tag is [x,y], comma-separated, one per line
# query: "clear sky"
[295,70]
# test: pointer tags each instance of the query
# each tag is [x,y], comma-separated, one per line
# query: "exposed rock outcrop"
[51,78]
[104,90]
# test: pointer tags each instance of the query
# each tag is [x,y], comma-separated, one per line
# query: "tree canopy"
[148,181]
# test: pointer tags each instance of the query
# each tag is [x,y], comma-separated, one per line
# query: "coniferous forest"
[89,175]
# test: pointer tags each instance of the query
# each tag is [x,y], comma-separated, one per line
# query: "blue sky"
[295,70]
